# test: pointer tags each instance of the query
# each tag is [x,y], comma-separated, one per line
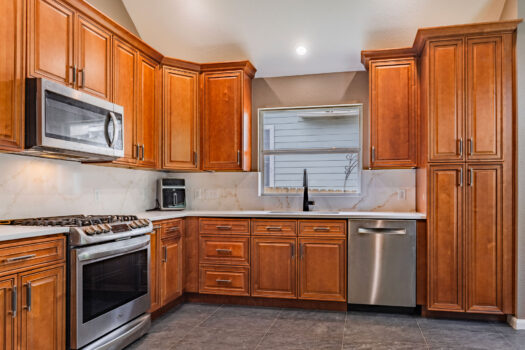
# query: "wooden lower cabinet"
[8,320]
[42,312]
[226,280]
[274,267]
[154,290]
[171,269]
[322,269]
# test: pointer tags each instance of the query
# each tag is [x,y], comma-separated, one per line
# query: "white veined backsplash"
[382,190]
[33,187]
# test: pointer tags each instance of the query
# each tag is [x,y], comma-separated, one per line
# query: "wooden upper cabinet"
[446,94]
[8,321]
[51,41]
[12,28]
[445,239]
[171,269]
[223,120]
[94,58]
[274,264]
[125,93]
[146,125]
[484,98]
[484,239]
[393,113]
[180,119]
[43,324]
[322,269]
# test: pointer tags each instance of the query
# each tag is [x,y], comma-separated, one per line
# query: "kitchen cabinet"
[12,28]
[180,119]
[154,268]
[82,62]
[146,124]
[225,280]
[43,306]
[8,305]
[274,267]
[322,269]
[171,261]
[226,117]
[393,112]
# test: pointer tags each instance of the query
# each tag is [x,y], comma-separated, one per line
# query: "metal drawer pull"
[274,228]
[219,227]
[13,301]
[321,229]
[293,249]
[238,157]
[18,258]
[165,258]
[223,281]
[220,250]
[28,301]
[173,229]
[382,230]
[157,227]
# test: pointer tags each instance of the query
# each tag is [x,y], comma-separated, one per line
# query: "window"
[324,140]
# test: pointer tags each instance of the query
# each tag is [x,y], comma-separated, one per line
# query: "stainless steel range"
[109,278]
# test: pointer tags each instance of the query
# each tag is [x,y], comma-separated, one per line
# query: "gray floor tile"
[389,345]
[465,339]
[185,316]
[249,319]
[299,341]
[218,339]
[467,325]
[316,315]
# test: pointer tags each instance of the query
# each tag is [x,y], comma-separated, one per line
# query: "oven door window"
[110,283]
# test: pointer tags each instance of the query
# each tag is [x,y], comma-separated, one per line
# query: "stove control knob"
[133,224]
[96,229]
[106,227]
[102,228]
[89,231]
[144,222]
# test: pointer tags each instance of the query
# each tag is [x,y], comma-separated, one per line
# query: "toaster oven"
[171,194]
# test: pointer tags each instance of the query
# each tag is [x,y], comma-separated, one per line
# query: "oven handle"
[112,249]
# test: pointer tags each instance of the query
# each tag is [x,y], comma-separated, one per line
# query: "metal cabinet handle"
[195,158]
[470,146]
[74,68]
[470,177]
[321,229]
[28,296]
[238,157]
[301,251]
[19,258]
[173,229]
[14,297]
[460,147]
[381,230]
[373,154]
[460,177]
[292,250]
[83,78]
[219,227]
[165,257]
[221,250]
[274,228]
[142,153]
[223,281]
[137,151]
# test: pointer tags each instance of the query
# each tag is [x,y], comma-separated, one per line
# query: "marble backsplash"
[382,190]
[31,187]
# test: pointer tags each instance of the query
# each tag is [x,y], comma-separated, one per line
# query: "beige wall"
[308,90]
[115,10]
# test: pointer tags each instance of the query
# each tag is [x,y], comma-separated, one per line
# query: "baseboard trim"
[516,323]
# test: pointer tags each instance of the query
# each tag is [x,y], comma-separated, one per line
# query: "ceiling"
[267,32]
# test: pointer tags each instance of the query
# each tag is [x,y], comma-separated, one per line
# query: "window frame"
[261,152]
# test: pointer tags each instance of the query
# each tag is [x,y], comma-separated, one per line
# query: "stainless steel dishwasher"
[382,262]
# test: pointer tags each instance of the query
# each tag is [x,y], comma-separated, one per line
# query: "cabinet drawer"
[32,252]
[224,250]
[274,227]
[224,280]
[224,226]
[172,228]
[322,227]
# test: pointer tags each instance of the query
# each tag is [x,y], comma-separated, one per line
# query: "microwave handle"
[113,118]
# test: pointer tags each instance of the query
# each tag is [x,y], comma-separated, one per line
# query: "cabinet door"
[124,94]
[445,261]
[50,41]
[222,121]
[12,28]
[446,116]
[393,112]
[8,304]
[146,118]
[43,310]
[322,269]
[154,268]
[274,267]
[171,270]
[484,98]
[180,125]
[484,239]
[94,58]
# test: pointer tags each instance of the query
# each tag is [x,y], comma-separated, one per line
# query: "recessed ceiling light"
[301,50]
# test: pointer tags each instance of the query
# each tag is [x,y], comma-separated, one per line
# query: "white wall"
[115,10]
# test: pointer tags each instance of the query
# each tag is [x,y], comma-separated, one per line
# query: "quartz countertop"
[9,232]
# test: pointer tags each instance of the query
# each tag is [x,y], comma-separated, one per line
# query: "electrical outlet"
[402,194]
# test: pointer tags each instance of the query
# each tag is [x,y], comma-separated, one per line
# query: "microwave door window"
[76,121]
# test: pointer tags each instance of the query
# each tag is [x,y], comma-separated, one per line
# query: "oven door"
[109,287]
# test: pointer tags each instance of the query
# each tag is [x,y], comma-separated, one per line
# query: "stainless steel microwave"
[62,122]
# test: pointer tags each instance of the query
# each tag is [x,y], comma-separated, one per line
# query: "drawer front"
[224,226]
[33,252]
[224,250]
[172,228]
[224,280]
[274,227]
[322,228]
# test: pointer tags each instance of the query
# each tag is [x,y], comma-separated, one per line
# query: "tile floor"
[217,327]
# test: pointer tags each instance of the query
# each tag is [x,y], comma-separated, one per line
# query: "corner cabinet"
[12,53]
[226,117]
[393,113]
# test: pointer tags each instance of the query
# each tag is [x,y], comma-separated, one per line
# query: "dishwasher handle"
[381,231]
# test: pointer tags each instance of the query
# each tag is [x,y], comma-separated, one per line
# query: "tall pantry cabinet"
[467,151]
